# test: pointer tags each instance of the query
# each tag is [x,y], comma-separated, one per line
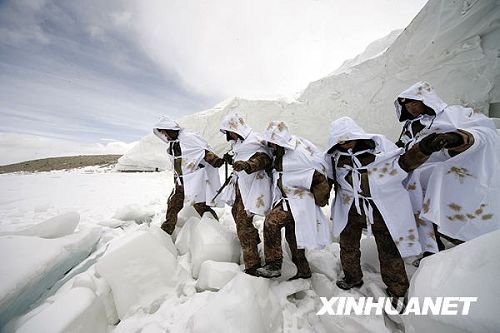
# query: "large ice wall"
[451,44]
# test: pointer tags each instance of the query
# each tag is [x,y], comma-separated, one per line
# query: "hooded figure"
[195,175]
[457,189]
[300,187]
[249,190]
[369,193]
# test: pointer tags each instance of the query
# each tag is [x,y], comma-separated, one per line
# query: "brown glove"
[452,139]
[432,143]
[242,165]
[320,189]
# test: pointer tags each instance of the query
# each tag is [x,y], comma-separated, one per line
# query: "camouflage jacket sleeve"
[414,157]
[320,189]
[212,159]
[259,161]
[468,141]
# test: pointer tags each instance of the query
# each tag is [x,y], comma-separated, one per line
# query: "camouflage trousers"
[174,205]
[392,267]
[275,220]
[247,233]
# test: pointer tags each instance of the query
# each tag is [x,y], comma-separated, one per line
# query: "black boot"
[252,270]
[397,302]
[346,284]
[270,270]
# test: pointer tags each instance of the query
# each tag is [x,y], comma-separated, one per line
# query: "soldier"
[300,189]
[369,192]
[249,191]
[457,189]
[196,178]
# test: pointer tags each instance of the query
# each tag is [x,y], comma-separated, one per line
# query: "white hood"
[168,124]
[277,132]
[235,123]
[346,129]
[165,123]
[420,91]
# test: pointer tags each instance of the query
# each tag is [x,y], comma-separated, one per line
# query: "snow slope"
[451,44]
[137,280]
[471,269]
[373,50]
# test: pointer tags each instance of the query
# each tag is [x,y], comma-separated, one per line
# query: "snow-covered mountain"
[373,50]
[451,44]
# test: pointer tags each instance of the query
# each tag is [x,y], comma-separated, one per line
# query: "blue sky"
[94,71]
[61,79]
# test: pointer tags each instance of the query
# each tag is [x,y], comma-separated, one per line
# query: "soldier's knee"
[271,224]
[349,246]
[273,219]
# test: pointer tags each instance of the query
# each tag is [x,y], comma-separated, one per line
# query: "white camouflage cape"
[460,194]
[385,178]
[255,188]
[300,160]
[201,180]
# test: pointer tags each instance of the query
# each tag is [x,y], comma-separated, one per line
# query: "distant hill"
[60,163]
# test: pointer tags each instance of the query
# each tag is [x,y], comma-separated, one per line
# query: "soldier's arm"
[412,158]
[467,141]
[320,188]
[259,161]
[415,156]
[212,159]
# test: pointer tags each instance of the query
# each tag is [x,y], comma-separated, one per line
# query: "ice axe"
[226,182]
[228,157]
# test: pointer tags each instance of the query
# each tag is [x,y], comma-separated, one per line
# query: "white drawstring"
[415,136]
[284,204]
[177,177]
[356,187]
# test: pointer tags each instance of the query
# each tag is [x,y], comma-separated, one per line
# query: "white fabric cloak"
[201,180]
[300,160]
[255,188]
[385,178]
[460,194]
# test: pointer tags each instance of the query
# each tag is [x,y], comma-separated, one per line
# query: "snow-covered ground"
[33,197]
[118,272]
